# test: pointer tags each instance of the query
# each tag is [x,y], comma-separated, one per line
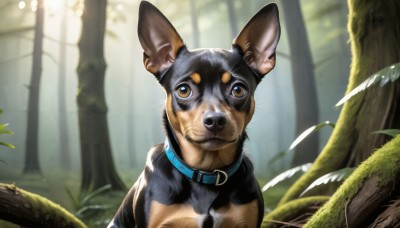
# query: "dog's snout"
[214,121]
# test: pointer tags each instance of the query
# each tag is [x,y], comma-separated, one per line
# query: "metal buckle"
[220,173]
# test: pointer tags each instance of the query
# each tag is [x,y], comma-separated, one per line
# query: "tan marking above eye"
[226,77]
[196,78]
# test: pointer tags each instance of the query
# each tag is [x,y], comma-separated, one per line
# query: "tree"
[32,134]
[232,18]
[62,119]
[303,81]
[373,26]
[96,155]
[195,24]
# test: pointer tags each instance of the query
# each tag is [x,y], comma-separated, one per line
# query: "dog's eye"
[238,91]
[184,91]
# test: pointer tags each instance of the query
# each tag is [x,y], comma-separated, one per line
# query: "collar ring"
[223,174]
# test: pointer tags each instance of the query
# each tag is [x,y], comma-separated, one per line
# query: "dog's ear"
[259,38]
[159,39]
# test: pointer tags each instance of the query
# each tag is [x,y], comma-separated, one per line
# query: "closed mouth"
[210,139]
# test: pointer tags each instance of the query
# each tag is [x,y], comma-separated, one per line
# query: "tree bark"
[389,217]
[374,34]
[31,210]
[96,155]
[303,82]
[32,133]
[356,203]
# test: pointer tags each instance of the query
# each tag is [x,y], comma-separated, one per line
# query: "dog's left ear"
[259,38]
[159,39]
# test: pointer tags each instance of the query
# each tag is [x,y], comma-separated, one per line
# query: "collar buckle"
[220,181]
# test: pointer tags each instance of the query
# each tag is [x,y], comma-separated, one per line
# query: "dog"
[200,176]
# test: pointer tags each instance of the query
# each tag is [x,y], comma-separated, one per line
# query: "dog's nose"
[214,121]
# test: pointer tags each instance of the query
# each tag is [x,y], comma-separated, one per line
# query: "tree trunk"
[32,133]
[232,18]
[306,101]
[96,156]
[374,27]
[62,107]
[31,210]
[360,198]
[195,24]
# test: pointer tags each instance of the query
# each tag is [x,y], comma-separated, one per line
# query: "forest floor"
[55,186]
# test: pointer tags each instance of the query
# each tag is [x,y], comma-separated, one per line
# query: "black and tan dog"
[200,177]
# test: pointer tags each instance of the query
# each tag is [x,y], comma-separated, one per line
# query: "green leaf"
[92,208]
[309,131]
[3,129]
[75,200]
[387,74]
[391,132]
[336,176]
[95,193]
[286,175]
[7,145]
[299,139]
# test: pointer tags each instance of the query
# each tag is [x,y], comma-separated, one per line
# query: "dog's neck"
[202,159]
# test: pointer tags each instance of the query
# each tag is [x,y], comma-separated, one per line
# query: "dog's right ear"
[159,39]
[259,38]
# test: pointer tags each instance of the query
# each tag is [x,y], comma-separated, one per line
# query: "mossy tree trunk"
[374,28]
[32,164]
[363,199]
[96,155]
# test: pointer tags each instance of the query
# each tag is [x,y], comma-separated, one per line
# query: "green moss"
[47,210]
[384,163]
[292,209]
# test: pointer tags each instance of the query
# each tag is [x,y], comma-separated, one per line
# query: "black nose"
[214,121]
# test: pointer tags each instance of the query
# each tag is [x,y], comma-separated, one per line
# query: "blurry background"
[313,62]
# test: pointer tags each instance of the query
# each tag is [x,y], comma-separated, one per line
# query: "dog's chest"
[183,215]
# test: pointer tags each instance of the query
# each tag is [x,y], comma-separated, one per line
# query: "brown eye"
[184,91]
[238,91]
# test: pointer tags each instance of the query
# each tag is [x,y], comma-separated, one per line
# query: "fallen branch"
[30,210]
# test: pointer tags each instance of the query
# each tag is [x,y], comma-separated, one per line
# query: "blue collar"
[216,177]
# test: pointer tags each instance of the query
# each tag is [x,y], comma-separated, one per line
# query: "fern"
[336,176]
[387,74]
[286,175]
[4,130]
[391,132]
[299,139]
[83,204]
[307,132]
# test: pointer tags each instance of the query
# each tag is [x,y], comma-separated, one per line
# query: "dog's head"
[210,92]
